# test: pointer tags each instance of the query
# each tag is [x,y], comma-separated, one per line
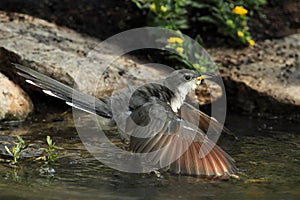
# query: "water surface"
[267,152]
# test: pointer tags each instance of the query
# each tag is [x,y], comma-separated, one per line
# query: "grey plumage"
[152,122]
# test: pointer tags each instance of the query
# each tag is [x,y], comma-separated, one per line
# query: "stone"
[69,57]
[66,56]
[267,80]
[14,102]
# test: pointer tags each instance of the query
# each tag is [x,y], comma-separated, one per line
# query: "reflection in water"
[268,153]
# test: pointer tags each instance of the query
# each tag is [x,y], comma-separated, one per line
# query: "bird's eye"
[188,77]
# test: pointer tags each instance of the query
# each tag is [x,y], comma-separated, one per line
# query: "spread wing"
[174,143]
[202,120]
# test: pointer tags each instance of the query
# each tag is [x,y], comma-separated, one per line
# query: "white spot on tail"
[50,93]
[31,82]
[80,108]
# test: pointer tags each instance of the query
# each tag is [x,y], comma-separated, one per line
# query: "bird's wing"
[202,120]
[172,142]
[59,90]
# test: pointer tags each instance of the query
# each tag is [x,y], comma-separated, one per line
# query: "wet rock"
[14,103]
[69,57]
[267,80]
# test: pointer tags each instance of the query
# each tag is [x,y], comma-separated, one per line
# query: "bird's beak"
[204,76]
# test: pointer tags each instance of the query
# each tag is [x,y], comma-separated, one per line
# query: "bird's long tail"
[59,90]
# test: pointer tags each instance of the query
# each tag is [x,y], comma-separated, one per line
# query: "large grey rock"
[263,78]
[62,54]
[14,103]
[70,57]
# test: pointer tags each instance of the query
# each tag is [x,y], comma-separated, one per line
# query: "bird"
[157,119]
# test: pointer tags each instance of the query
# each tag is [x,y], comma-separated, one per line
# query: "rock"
[208,92]
[14,103]
[264,78]
[69,57]
[99,19]
[60,53]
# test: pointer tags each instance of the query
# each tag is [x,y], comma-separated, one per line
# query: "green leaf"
[137,3]
[57,147]
[198,5]
[49,140]
[20,139]
[8,151]
[207,19]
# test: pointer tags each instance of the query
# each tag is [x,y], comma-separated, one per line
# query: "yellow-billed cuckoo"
[154,123]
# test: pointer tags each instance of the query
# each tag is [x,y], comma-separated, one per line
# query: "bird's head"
[183,81]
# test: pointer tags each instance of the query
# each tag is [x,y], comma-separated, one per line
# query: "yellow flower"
[180,50]
[178,40]
[239,10]
[251,42]
[163,8]
[240,34]
[152,6]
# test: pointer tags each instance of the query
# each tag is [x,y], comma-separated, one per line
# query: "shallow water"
[268,153]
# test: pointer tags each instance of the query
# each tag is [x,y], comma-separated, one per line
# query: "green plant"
[51,153]
[16,150]
[166,13]
[190,55]
[251,4]
[230,18]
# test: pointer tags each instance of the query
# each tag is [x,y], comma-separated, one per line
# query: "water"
[268,153]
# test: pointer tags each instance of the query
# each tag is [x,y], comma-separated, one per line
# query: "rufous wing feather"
[200,157]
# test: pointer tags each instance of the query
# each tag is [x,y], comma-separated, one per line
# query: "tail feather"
[59,90]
